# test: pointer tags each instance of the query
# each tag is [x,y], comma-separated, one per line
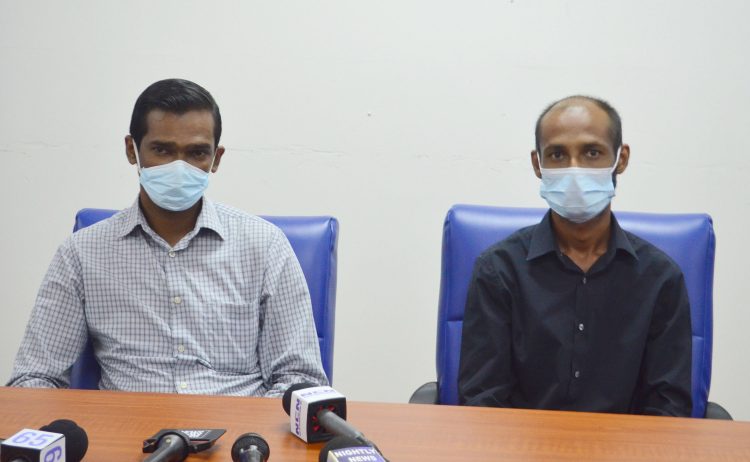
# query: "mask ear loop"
[137,154]
[213,159]
[617,160]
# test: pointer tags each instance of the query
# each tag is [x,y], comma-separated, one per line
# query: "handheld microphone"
[319,413]
[60,440]
[170,445]
[306,404]
[250,447]
[343,449]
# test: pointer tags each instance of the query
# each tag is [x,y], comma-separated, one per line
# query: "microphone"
[250,447]
[170,445]
[306,404]
[76,439]
[319,413]
[60,440]
[343,449]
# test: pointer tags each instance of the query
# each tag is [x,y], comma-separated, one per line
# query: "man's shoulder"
[651,255]
[514,245]
[109,227]
[240,222]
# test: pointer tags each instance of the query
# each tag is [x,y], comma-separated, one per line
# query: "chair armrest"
[715,411]
[426,394]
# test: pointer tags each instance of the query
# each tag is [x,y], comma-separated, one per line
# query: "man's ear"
[130,149]
[217,158]
[535,164]
[622,164]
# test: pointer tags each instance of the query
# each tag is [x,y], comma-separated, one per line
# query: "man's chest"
[134,276]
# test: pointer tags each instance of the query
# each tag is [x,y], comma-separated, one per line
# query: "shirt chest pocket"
[231,330]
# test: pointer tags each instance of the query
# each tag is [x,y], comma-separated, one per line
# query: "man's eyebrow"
[594,144]
[199,146]
[173,145]
[553,146]
[163,144]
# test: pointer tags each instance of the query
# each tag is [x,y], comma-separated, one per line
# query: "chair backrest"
[469,229]
[314,241]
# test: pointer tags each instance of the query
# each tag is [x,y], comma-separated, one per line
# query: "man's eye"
[594,153]
[199,153]
[556,155]
[160,150]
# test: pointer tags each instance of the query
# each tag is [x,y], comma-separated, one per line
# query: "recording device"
[344,449]
[250,447]
[309,406]
[171,445]
[61,440]
[319,413]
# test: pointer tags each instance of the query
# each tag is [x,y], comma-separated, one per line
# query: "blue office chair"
[314,241]
[470,229]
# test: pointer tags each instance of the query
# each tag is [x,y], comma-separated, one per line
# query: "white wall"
[383,114]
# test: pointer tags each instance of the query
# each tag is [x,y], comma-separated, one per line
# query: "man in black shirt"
[574,313]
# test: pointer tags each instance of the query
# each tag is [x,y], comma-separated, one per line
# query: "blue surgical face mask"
[175,186]
[578,194]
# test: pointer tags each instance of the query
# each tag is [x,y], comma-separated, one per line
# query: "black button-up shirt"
[540,333]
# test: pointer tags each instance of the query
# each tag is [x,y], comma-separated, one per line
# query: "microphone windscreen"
[340,442]
[76,440]
[286,400]
[247,440]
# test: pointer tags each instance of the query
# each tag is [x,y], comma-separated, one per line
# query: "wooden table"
[117,423]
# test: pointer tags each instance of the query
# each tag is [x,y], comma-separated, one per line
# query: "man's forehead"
[160,115]
[574,116]
[195,123]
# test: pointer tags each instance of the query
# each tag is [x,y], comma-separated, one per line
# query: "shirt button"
[183,385]
[584,279]
[171,253]
[177,300]
[181,348]
[580,327]
[577,374]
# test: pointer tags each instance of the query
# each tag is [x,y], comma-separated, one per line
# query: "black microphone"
[250,447]
[61,438]
[76,439]
[170,445]
[319,413]
[342,449]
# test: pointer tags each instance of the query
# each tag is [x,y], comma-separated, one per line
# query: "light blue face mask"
[175,186]
[578,194]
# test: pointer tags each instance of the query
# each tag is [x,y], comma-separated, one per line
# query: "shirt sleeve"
[485,375]
[665,378]
[288,342]
[56,332]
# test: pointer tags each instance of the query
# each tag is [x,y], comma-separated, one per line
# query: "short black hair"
[615,123]
[177,96]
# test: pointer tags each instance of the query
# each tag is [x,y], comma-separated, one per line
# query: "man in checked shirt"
[177,293]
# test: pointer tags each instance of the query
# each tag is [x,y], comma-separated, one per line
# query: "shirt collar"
[620,240]
[543,239]
[207,219]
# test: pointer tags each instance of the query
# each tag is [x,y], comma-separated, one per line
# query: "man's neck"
[171,226]
[585,242]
